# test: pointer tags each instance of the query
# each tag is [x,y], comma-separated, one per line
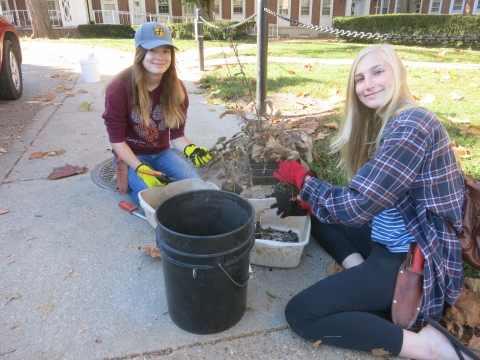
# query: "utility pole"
[262,54]
[199,37]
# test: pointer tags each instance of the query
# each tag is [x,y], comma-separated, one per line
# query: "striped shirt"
[415,170]
[388,228]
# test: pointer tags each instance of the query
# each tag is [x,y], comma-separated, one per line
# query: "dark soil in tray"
[275,235]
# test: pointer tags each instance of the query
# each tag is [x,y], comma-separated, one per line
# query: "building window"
[283,7]
[4,5]
[216,7]
[326,5]
[189,9]
[476,8]
[436,5]
[384,8]
[418,7]
[238,6]
[305,7]
[457,7]
[163,7]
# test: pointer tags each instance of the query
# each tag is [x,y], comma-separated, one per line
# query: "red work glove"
[292,172]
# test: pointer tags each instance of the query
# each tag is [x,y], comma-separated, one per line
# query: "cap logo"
[159,31]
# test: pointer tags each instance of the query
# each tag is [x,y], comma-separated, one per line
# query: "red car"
[11,81]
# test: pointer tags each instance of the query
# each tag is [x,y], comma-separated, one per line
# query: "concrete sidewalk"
[72,254]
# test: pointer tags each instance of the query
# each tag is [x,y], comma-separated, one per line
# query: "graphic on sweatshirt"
[150,134]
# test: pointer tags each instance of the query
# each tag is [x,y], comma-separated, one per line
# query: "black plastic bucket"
[205,238]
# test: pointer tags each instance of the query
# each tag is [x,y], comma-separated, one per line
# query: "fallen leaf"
[4,211]
[472,131]
[456,97]
[15,324]
[3,150]
[66,170]
[81,331]
[13,296]
[11,262]
[320,136]
[84,106]
[380,352]
[151,250]
[332,125]
[461,151]
[428,99]
[317,343]
[37,155]
[291,72]
[332,268]
[252,308]
[165,312]
[70,95]
[56,103]
[300,93]
[270,302]
[98,339]
[82,91]
[47,309]
[272,296]
[457,121]
[472,284]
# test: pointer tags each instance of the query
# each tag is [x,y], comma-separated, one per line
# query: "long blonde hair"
[361,129]
[172,97]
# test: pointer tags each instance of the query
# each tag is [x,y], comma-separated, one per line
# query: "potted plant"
[251,156]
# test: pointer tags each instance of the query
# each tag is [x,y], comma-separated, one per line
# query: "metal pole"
[199,34]
[262,54]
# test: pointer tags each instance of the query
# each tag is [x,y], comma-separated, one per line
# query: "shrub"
[186,31]
[107,31]
[408,24]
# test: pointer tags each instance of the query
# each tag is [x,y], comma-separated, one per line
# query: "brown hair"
[173,95]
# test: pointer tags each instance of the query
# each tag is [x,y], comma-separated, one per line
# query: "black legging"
[350,309]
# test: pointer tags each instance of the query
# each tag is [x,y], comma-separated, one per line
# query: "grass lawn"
[451,94]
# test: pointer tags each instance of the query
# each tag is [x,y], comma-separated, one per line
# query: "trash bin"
[90,69]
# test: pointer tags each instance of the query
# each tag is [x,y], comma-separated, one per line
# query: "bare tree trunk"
[207,8]
[42,28]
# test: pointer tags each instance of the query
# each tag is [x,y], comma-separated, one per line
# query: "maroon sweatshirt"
[123,122]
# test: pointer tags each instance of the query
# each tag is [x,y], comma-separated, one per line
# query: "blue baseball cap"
[153,34]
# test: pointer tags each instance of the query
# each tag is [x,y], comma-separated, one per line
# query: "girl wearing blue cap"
[145,111]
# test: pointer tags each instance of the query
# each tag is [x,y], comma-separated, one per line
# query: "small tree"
[205,5]
[42,28]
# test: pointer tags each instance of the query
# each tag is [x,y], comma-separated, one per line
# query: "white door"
[109,14]
[353,9]
[326,13]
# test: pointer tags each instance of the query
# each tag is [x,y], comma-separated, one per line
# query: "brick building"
[69,13]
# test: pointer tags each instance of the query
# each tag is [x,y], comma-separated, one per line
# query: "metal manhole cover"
[104,175]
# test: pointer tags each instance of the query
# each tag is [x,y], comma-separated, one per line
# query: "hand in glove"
[292,172]
[150,180]
[198,155]
[295,208]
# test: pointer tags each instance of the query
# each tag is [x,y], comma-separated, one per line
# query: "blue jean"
[168,162]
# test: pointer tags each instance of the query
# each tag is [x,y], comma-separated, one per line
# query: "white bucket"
[90,69]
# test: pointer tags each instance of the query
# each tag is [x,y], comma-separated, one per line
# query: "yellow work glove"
[198,155]
[150,180]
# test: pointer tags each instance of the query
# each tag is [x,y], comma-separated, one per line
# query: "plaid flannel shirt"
[415,170]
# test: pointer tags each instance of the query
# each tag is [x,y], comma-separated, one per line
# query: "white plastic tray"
[273,253]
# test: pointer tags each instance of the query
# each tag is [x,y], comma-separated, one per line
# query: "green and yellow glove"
[198,155]
[150,180]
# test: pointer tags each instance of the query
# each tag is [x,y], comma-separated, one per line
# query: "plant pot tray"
[273,253]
